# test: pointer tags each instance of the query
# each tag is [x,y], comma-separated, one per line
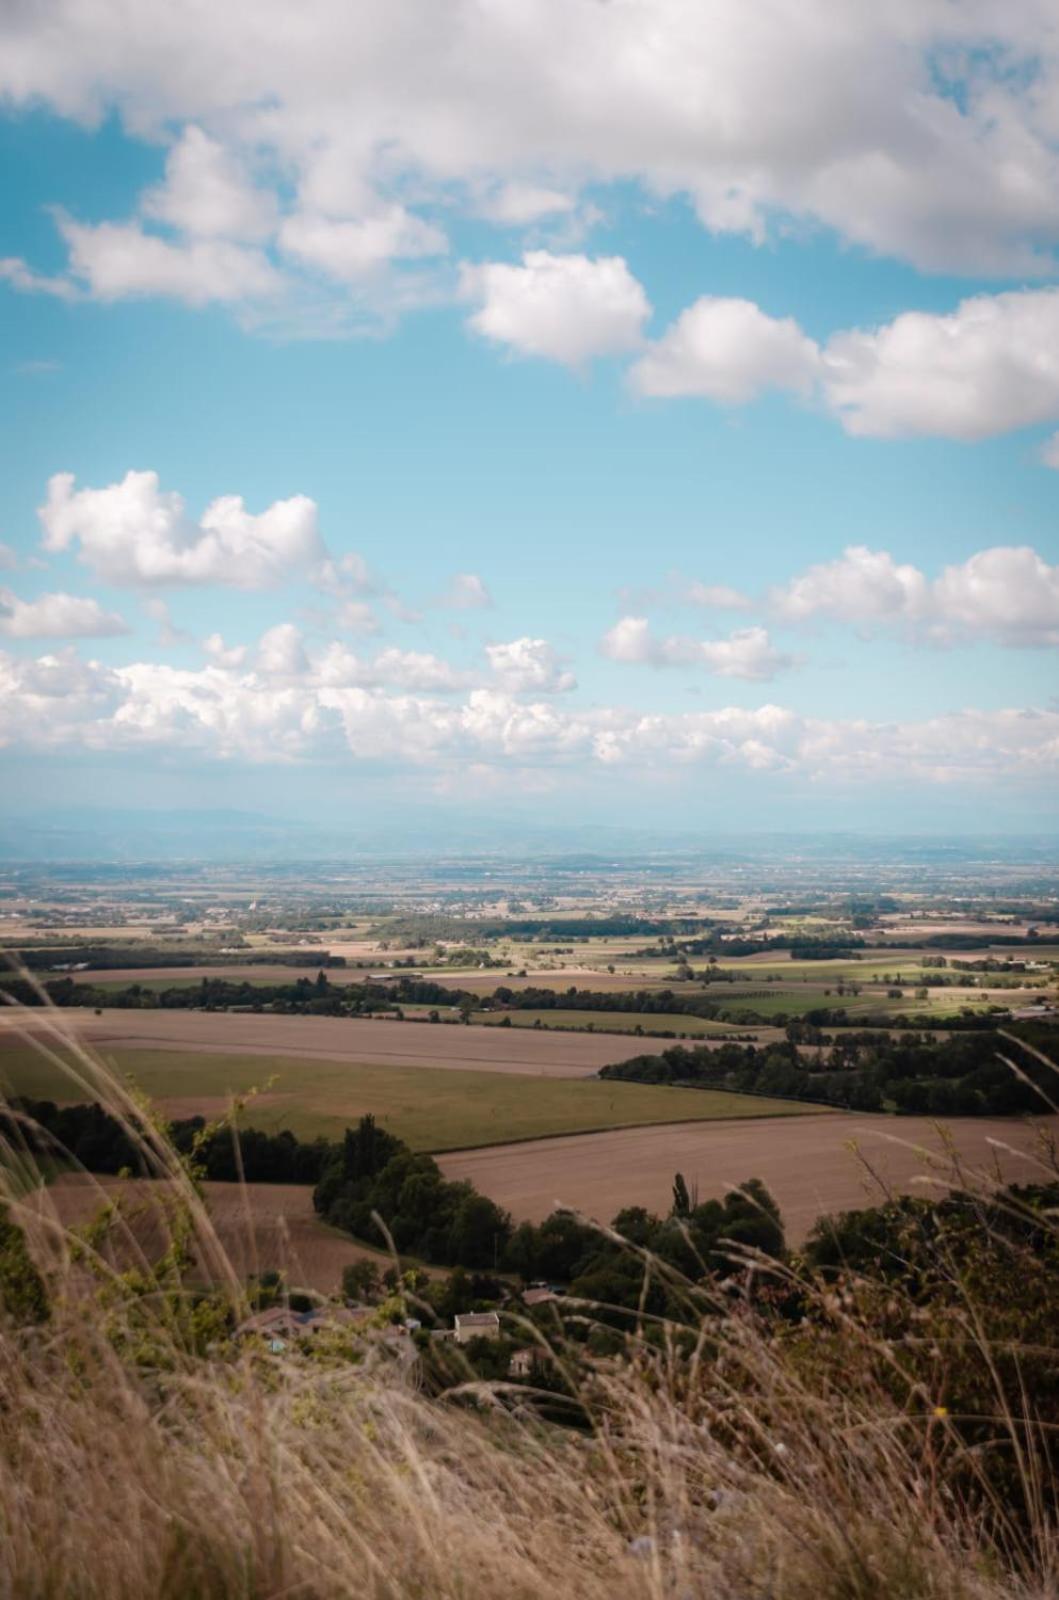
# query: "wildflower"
[941,1412]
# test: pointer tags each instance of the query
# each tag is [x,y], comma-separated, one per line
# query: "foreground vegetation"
[872,1419]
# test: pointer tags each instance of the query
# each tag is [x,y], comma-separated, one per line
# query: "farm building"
[476,1325]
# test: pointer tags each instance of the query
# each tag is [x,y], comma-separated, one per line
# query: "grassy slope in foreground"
[431,1110]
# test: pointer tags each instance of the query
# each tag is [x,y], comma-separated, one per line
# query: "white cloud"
[222,713]
[923,130]
[118,260]
[729,351]
[348,249]
[717,597]
[356,616]
[57,616]
[861,586]
[517,204]
[340,668]
[747,653]
[529,666]
[8,558]
[1050,452]
[566,308]
[988,367]
[20,276]
[1007,594]
[208,194]
[280,652]
[223,655]
[134,533]
[466,592]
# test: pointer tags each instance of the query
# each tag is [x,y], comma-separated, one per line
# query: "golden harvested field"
[351,1039]
[261,1226]
[805,1162]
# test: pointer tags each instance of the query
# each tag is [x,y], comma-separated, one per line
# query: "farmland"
[808,1167]
[444,1046]
[615,1022]
[260,1226]
[430,1110]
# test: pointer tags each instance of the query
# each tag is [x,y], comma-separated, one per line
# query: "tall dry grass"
[144,1453]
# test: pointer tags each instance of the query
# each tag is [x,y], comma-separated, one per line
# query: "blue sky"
[682,458]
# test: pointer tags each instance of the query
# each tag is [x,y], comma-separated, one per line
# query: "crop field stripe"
[432,1110]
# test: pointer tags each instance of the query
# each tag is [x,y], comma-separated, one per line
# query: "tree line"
[963,1075]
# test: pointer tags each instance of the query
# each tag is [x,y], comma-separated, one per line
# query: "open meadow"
[808,1165]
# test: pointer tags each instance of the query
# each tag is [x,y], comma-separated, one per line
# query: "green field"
[614,1022]
[432,1109]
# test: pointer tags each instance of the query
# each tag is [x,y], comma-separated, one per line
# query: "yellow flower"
[941,1412]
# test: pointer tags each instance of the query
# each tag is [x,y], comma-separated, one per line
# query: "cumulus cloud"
[924,131]
[341,668]
[529,666]
[567,308]
[280,652]
[988,367]
[208,194]
[57,616]
[348,249]
[730,351]
[466,592]
[221,713]
[119,260]
[133,532]
[223,655]
[746,653]
[1007,594]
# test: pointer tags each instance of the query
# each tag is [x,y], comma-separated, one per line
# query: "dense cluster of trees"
[373,1175]
[44,958]
[100,1142]
[962,1075]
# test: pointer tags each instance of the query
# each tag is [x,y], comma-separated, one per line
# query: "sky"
[631,413]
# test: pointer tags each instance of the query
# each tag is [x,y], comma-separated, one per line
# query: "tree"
[360,1281]
[681,1197]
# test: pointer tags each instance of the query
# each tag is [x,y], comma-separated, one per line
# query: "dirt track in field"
[283,1232]
[804,1161]
[406,1044]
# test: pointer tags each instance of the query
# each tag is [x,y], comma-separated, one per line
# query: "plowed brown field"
[410,1044]
[805,1161]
